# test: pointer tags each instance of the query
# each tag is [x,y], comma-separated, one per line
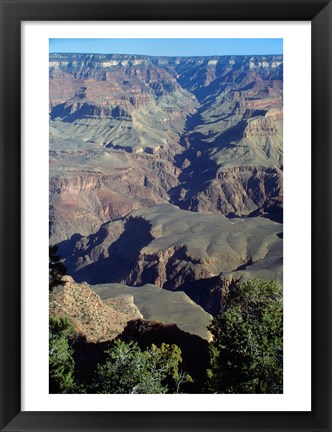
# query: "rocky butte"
[166,173]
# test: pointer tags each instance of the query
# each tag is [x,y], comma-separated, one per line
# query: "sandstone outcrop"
[94,319]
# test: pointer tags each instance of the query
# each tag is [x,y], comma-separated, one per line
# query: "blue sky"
[169,47]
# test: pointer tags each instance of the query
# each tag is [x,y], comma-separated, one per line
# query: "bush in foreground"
[246,354]
[61,362]
[126,369]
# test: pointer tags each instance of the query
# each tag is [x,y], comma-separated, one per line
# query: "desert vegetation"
[126,368]
[245,354]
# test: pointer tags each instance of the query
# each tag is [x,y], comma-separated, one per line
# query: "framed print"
[145,144]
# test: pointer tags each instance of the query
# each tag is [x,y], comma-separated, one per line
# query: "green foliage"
[61,363]
[164,360]
[57,269]
[247,350]
[127,369]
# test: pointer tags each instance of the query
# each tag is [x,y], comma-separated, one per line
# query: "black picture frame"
[13,12]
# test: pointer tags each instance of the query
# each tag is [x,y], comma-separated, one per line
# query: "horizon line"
[177,56]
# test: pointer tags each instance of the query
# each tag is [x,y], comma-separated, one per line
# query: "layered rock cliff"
[167,170]
[129,132]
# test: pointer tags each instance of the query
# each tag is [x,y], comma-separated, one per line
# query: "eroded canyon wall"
[167,170]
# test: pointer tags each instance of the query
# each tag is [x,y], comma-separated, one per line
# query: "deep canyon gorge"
[166,183]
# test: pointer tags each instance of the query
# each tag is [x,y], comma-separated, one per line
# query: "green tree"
[164,361]
[129,370]
[57,269]
[247,350]
[61,362]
